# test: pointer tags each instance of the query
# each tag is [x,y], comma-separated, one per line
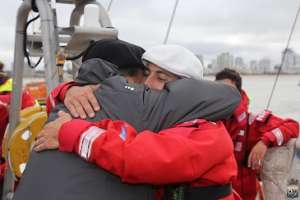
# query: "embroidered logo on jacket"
[123,133]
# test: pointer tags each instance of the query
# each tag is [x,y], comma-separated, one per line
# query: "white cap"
[175,59]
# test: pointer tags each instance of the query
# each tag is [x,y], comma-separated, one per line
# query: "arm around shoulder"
[179,154]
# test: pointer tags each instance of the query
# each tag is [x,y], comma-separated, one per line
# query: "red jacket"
[167,152]
[27,101]
[246,130]
[152,158]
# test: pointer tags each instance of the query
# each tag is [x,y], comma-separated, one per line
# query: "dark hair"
[130,71]
[231,74]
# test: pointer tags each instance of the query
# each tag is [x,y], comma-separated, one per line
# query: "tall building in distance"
[240,65]
[289,60]
[291,63]
[264,65]
[253,65]
[224,60]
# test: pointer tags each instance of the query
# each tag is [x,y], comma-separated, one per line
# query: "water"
[286,98]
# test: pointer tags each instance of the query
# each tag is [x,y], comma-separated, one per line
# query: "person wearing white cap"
[166,63]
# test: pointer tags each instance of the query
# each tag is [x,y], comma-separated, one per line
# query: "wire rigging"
[284,56]
[171,22]
[109,5]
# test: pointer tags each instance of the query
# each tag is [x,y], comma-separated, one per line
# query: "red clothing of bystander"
[246,130]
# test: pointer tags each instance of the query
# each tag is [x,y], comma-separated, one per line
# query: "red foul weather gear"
[5,100]
[246,130]
[147,157]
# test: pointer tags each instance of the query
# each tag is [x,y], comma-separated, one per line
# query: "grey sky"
[252,29]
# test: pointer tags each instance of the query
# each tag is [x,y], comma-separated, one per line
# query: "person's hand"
[81,101]
[48,137]
[257,155]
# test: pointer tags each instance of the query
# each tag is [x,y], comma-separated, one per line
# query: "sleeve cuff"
[268,139]
[70,132]
[54,96]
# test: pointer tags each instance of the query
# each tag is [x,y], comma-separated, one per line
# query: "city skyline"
[257,66]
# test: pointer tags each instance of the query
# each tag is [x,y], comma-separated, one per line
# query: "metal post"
[77,12]
[171,22]
[18,66]
[49,43]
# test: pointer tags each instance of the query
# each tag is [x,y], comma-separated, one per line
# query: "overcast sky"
[253,29]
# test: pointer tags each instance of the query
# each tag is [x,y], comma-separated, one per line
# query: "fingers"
[79,109]
[43,146]
[43,143]
[71,108]
[87,106]
[257,155]
[64,115]
[81,101]
[39,141]
[93,101]
[39,144]
[255,161]
[89,101]
[40,147]
[72,101]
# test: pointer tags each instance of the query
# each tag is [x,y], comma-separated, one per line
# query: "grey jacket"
[54,175]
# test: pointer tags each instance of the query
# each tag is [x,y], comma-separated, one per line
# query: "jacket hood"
[94,71]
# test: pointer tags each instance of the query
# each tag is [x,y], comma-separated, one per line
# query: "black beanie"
[118,52]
